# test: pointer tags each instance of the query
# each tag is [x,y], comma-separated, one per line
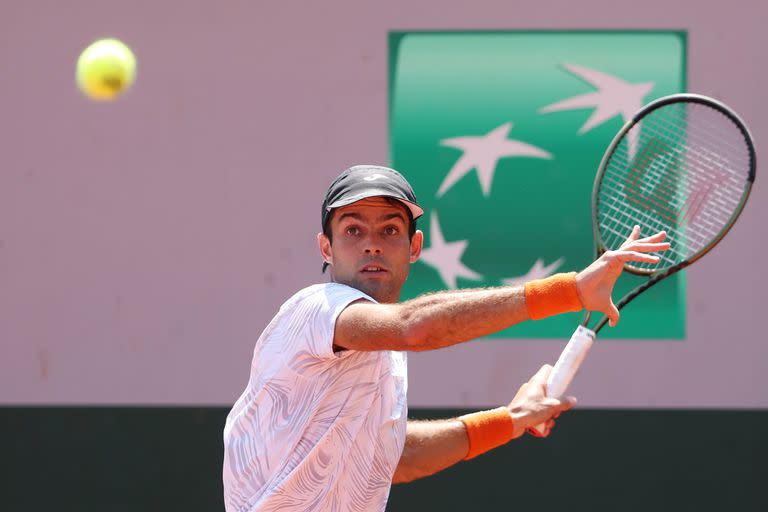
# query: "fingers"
[626,256]
[546,429]
[634,238]
[558,406]
[634,235]
[542,375]
[535,432]
[613,315]
[561,405]
[647,247]
[658,237]
[545,411]
[570,402]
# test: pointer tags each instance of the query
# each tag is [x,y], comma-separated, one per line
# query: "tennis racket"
[683,164]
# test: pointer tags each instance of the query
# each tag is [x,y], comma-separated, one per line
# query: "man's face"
[369,247]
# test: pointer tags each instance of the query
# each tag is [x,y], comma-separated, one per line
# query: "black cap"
[363,181]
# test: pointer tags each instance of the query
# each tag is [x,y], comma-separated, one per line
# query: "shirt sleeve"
[322,307]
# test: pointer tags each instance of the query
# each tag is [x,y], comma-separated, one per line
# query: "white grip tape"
[570,360]
[568,364]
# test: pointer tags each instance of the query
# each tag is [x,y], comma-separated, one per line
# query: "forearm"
[431,446]
[446,318]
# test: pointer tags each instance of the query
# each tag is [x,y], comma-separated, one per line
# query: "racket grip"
[567,365]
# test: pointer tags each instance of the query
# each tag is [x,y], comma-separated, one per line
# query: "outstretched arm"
[445,318]
[431,321]
[431,446]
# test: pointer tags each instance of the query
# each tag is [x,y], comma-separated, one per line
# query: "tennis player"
[322,424]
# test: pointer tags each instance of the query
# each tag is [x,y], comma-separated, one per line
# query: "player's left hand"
[532,407]
[595,283]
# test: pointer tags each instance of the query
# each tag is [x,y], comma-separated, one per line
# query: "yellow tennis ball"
[105,69]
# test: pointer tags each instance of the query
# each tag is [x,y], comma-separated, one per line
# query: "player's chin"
[378,287]
[379,275]
[380,281]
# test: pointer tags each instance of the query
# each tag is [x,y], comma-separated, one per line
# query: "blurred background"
[146,242]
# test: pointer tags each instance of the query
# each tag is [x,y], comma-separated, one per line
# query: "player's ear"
[326,251]
[416,244]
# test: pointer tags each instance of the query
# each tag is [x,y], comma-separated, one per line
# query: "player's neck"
[380,296]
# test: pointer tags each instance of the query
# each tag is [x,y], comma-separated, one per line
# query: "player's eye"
[391,230]
[352,230]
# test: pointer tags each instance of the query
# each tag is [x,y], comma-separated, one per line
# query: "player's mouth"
[372,270]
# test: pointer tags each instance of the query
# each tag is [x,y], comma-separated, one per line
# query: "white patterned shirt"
[315,430]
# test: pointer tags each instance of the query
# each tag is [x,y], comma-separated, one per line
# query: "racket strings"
[677,191]
[672,182]
[708,160]
[682,169]
[712,168]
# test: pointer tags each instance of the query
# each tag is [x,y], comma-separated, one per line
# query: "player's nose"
[372,244]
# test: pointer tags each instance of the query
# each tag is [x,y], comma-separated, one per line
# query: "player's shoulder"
[324,294]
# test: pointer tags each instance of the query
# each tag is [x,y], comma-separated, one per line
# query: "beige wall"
[144,244]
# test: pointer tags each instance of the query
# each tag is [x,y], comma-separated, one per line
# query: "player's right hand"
[532,407]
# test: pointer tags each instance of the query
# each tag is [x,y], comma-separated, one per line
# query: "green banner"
[501,134]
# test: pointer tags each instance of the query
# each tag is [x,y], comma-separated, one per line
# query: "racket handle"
[567,365]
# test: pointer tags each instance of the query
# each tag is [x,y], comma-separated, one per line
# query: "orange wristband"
[551,296]
[487,429]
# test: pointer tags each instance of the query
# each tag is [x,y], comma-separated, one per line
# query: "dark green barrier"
[169,459]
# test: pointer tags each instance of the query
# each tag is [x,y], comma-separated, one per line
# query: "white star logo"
[483,153]
[613,97]
[537,271]
[445,257]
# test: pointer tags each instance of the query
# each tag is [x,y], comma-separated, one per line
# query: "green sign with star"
[501,134]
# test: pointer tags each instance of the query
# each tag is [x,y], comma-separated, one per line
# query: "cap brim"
[415,209]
